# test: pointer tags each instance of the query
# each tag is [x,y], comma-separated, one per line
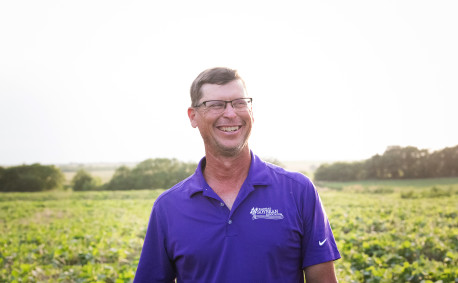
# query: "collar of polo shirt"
[257,176]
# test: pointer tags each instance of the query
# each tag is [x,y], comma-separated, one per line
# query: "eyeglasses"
[218,106]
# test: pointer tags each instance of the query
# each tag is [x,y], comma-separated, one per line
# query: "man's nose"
[229,110]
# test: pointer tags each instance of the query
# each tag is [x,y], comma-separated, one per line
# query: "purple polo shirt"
[277,227]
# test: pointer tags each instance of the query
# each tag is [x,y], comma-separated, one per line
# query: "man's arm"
[154,265]
[322,273]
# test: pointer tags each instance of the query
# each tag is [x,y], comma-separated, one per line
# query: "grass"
[66,236]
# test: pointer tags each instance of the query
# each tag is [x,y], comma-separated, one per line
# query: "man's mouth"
[229,129]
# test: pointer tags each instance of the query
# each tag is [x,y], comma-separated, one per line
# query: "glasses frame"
[204,103]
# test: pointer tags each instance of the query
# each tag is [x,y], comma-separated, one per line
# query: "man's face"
[226,133]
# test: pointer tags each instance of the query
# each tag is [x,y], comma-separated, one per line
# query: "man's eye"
[216,105]
[240,103]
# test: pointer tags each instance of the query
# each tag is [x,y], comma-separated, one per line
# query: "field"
[391,231]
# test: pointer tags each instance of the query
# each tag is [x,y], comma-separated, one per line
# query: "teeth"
[229,129]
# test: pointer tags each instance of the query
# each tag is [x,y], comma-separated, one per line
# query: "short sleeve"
[154,264]
[318,244]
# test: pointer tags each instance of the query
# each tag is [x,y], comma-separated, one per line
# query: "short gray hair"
[219,76]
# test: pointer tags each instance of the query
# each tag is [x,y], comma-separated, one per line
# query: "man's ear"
[192,116]
[252,117]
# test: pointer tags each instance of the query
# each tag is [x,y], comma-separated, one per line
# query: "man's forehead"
[233,88]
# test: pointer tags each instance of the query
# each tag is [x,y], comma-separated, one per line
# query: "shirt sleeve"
[154,264]
[318,244]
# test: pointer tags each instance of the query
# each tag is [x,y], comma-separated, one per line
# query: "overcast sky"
[108,81]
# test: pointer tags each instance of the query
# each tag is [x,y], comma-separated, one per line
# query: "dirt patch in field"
[45,216]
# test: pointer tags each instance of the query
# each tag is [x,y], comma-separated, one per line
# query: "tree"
[395,163]
[340,171]
[274,161]
[83,181]
[30,178]
[159,173]
[121,180]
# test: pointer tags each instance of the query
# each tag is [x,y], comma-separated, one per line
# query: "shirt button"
[222,204]
[230,221]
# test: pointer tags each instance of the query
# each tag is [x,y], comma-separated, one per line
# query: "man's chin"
[225,148]
[231,151]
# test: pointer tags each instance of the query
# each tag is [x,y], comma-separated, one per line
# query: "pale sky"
[108,81]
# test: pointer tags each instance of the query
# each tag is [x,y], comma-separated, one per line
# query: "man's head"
[218,76]
[222,112]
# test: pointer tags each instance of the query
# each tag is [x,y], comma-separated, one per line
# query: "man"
[237,218]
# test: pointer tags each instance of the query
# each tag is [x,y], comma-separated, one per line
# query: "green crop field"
[391,231]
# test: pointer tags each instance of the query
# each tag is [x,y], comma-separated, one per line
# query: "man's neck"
[227,168]
[225,174]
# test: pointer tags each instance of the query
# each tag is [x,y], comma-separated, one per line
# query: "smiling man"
[237,218]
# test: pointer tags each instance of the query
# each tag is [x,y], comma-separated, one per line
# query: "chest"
[264,229]
[227,193]
[228,198]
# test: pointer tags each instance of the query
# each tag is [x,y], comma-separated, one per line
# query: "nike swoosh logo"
[321,243]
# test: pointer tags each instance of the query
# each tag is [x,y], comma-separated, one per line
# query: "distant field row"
[396,185]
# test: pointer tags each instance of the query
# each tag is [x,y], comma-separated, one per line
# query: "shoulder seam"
[172,189]
[287,174]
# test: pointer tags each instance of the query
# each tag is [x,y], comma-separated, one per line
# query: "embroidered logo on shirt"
[321,243]
[265,213]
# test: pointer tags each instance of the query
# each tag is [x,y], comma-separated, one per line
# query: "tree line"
[162,173]
[395,163]
[159,173]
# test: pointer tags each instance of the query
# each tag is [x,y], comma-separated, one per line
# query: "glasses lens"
[218,106]
[241,104]
[215,105]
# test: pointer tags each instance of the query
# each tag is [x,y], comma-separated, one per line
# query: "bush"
[383,190]
[83,181]
[436,192]
[159,173]
[30,178]
[408,195]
